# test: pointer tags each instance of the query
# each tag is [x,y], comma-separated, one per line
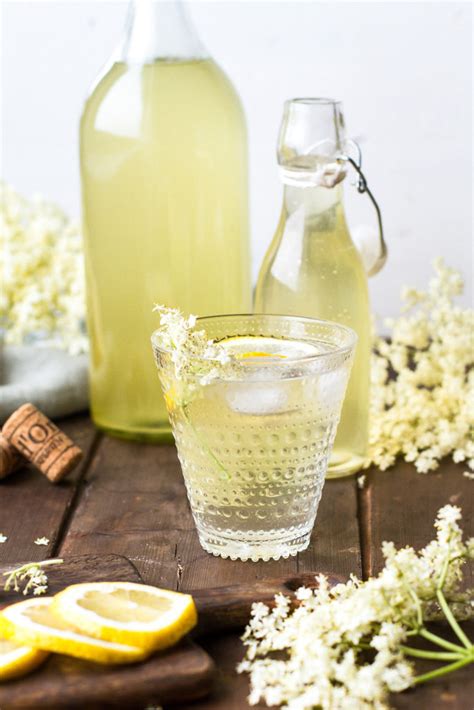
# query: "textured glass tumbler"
[254,445]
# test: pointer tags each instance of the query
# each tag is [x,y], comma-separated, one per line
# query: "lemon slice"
[16,660]
[31,623]
[259,346]
[256,353]
[129,613]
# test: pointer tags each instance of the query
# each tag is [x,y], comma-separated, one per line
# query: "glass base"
[341,465]
[253,546]
[161,434]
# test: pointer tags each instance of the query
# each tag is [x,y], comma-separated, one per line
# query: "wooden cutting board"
[180,674]
[183,673]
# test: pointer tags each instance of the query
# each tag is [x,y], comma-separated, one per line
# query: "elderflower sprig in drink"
[254,402]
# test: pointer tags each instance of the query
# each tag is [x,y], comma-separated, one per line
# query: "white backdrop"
[402,69]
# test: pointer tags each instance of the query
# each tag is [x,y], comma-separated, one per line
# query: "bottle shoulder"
[312,269]
[317,242]
[222,80]
[196,88]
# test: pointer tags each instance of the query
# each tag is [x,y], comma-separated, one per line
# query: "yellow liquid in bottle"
[312,268]
[164,181]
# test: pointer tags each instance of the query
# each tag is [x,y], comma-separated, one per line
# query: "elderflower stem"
[13,575]
[203,443]
[443,671]
[419,610]
[445,606]
[444,569]
[440,641]
[452,621]
[414,596]
[435,655]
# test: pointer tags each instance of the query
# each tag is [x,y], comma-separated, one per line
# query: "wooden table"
[129,499]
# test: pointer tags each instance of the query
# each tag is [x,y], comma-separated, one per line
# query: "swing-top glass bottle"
[312,267]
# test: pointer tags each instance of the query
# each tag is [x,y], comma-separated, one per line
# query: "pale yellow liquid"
[254,450]
[164,178]
[312,268]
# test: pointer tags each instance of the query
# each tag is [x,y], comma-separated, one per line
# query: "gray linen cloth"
[51,379]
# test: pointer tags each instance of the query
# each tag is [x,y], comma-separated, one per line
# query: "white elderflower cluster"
[191,352]
[422,400]
[31,575]
[41,541]
[344,648]
[42,296]
[187,360]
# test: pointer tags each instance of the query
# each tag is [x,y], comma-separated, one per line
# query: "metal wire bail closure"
[362,187]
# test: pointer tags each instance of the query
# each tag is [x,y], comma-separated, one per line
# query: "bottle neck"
[312,200]
[159,30]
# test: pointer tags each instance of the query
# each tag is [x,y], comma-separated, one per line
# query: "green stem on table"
[452,621]
[434,655]
[204,444]
[444,670]
[445,606]
[440,641]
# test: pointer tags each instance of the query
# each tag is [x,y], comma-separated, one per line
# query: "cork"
[41,442]
[10,459]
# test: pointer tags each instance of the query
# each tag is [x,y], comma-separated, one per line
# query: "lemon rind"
[20,661]
[149,636]
[18,627]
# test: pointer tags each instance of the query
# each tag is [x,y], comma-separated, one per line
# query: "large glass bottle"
[165,207]
[312,267]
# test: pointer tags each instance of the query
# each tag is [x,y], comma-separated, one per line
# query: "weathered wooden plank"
[199,569]
[32,507]
[335,547]
[133,502]
[230,689]
[228,608]
[183,673]
[400,505]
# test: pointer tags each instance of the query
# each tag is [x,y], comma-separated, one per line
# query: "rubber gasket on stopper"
[41,442]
